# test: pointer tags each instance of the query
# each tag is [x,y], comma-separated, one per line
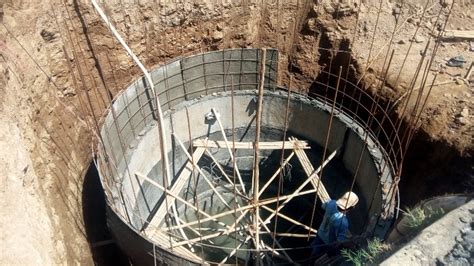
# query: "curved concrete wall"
[133,111]
[131,143]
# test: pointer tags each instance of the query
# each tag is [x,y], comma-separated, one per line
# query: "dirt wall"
[60,67]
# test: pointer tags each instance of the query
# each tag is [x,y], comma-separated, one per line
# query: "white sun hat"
[348,200]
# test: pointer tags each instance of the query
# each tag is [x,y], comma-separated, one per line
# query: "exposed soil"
[441,150]
[55,53]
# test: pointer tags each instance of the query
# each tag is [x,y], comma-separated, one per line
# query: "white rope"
[148,78]
[164,146]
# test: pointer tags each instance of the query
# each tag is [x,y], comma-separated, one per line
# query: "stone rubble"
[463,251]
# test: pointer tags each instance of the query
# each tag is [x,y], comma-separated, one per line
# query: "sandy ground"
[448,113]
[26,236]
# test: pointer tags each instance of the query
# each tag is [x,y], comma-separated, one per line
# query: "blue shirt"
[335,226]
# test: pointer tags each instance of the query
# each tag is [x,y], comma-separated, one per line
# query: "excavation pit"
[204,98]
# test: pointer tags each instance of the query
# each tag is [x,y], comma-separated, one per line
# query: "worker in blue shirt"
[335,226]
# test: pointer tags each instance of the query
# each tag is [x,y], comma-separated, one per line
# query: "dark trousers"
[319,247]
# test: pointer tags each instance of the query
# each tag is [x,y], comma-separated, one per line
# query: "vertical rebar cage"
[351,138]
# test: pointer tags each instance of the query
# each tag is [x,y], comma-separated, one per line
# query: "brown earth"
[55,53]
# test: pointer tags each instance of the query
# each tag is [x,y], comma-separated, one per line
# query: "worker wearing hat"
[335,226]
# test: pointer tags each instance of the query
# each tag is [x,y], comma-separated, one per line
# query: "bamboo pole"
[176,188]
[290,219]
[175,196]
[278,171]
[216,115]
[256,170]
[201,172]
[244,208]
[290,235]
[275,241]
[270,145]
[328,134]
[224,173]
[298,192]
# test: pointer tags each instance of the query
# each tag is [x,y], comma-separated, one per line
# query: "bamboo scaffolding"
[290,219]
[275,241]
[201,172]
[235,250]
[229,230]
[308,168]
[278,171]
[256,163]
[271,145]
[243,208]
[216,115]
[175,189]
[224,173]
[298,192]
[180,199]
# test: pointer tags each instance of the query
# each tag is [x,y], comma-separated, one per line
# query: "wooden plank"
[459,34]
[273,145]
[175,189]
[309,169]
[315,182]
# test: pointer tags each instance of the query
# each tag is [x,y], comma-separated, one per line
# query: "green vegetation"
[418,218]
[364,255]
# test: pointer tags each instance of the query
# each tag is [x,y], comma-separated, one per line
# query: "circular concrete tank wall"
[204,96]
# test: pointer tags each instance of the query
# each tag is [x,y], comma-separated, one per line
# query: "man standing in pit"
[335,226]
